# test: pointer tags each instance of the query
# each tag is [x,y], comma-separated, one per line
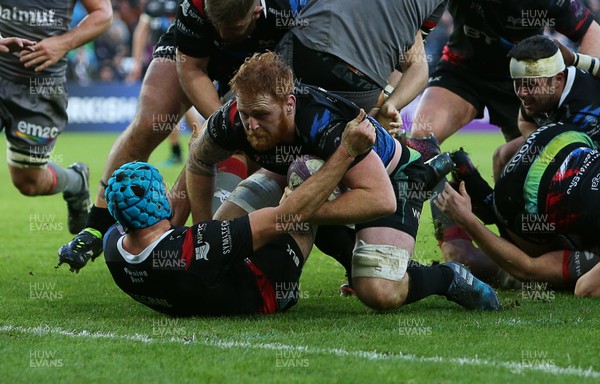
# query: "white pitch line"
[513,366]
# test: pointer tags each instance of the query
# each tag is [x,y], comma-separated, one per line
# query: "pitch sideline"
[513,366]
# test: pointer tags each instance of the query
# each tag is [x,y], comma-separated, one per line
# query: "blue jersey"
[321,118]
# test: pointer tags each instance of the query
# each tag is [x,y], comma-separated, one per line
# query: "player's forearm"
[508,256]
[200,174]
[415,72]
[356,206]
[590,42]
[197,85]
[97,22]
[140,37]
[180,203]
[200,189]
[307,198]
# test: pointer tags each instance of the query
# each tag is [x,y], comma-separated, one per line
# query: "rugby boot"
[463,166]
[86,245]
[442,165]
[470,292]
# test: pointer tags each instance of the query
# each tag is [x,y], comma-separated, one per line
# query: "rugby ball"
[303,168]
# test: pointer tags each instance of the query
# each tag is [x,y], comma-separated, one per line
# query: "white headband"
[546,67]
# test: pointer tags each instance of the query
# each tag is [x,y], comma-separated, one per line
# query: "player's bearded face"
[537,94]
[264,121]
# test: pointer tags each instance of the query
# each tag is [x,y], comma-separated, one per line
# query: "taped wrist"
[587,63]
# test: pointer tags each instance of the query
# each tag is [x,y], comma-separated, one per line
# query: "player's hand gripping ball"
[303,168]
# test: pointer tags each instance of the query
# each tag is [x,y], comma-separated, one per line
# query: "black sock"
[176,150]
[426,281]
[337,241]
[481,197]
[100,219]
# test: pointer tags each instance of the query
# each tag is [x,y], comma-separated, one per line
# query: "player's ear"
[257,11]
[559,78]
[290,104]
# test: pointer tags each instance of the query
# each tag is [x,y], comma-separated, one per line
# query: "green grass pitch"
[56,326]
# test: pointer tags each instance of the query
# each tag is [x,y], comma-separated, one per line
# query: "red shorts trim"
[266,289]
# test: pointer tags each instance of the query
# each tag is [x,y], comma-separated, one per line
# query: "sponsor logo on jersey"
[292,253]
[36,132]
[33,17]
[595,182]
[135,276]
[226,237]
[185,30]
[185,7]
[165,50]
[474,33]
[201,251]
[192,12]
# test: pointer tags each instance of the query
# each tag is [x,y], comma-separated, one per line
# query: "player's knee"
[27,186]
[257,191]
[377,272]
[378,294]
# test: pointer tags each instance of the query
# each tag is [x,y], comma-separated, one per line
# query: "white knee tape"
[17,159]
[382,261]
[256,192]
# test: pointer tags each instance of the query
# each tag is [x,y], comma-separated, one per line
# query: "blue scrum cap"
[136,196]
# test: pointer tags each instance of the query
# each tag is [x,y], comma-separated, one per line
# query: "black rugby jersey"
[531,195]
[196,36]
[321,118]
[579,104]
[486,30]
[196,270]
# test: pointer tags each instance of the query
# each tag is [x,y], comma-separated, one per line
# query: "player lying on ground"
[546,201]
[207,41]
[241,266]
[274,120]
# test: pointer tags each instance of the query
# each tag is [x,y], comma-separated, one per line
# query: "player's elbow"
[104,18]
[384,205]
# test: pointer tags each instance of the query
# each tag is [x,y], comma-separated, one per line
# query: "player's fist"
[359,135]
[389,118]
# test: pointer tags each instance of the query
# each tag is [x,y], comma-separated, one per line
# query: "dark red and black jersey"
[485,30]
[198,270]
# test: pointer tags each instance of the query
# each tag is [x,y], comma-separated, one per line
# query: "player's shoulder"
[225,120]
[316,100]
[227,115]
[194,11]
